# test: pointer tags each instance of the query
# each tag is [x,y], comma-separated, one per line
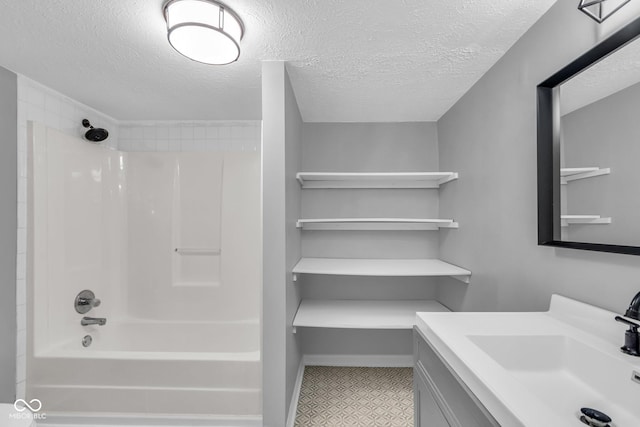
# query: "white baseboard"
[123,420]
[293,406]
[359,360]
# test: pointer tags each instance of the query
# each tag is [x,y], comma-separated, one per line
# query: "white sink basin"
[568,373]
[537,354]
[530,367]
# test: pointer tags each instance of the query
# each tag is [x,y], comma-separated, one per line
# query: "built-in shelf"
[375,224]
[573,174]
[380,267]
[374,180]
[362,314]
[583,219]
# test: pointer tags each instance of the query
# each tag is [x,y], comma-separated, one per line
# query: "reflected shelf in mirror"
[566,220]
[572,174]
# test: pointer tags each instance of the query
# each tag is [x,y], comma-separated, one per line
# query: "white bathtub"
[125,225]
[167,339]
[177,368]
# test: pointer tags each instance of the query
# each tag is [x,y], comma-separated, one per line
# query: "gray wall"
[8,230]
[367,147]
[293,142]
[605,134]
[489,136]
[281,240]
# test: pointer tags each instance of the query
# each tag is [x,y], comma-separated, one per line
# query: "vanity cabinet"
[441,399]
[426,410]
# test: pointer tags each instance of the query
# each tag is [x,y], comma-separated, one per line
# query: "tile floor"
[354,397]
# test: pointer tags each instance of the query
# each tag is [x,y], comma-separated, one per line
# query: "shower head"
[94,134]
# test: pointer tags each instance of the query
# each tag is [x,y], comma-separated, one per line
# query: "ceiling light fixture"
[601,9]
[204,30]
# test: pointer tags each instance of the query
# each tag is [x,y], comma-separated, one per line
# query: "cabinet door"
[458,404]
[425,410]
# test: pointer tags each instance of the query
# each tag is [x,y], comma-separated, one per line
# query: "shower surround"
[170,242]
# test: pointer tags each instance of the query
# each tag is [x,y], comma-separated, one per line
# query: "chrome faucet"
[85,301]
[100,321]
[632,319]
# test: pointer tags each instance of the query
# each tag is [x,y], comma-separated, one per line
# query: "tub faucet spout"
[100,321]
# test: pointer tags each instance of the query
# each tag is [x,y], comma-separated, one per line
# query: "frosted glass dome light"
[204,30]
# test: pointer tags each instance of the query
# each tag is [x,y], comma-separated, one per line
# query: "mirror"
[589,149]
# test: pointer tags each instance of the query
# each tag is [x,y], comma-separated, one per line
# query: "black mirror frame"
[548,99]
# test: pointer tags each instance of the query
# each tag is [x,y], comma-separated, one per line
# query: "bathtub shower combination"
[169,243]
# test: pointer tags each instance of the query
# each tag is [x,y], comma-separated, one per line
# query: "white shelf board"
[573,174]
[362,314]
[374,179]
[375,224]
[380,267]
[583,219]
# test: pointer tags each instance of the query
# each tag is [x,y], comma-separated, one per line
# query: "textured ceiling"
[350,60]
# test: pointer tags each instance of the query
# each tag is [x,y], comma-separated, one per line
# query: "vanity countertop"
[540,368]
